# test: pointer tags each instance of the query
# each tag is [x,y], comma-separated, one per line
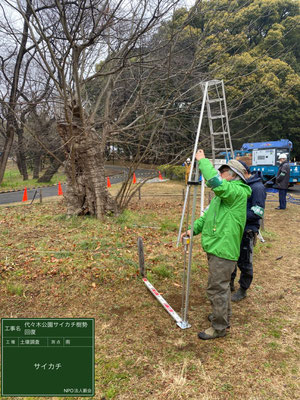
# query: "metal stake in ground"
[141,257]
[183,324]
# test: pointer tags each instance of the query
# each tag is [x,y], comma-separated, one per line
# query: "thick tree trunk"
[36,165]
[84,167]
[50,171]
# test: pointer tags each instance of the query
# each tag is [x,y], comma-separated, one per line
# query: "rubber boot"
[239,295]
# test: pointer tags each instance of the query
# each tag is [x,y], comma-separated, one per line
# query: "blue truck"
[263,156]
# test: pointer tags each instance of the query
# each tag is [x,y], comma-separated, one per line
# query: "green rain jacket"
[222,224]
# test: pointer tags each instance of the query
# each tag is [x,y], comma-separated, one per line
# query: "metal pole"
[193,160]
[185,242]
[184,323]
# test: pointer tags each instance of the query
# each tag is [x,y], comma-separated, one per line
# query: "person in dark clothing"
[282,180]
[255,212]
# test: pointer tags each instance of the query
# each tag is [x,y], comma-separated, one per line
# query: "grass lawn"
[12,179]
[52,266]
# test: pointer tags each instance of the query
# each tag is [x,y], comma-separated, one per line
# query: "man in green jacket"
[222,226]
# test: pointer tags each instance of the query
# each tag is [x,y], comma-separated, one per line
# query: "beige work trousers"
[218,290]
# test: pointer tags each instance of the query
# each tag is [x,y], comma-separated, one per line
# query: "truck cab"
[264,157]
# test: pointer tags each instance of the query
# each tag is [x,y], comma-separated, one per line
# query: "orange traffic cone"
[60,191]
[159,176]
[134,178]
[108,182]
[25,198]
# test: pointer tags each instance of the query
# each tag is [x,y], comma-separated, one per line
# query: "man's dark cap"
[247,168]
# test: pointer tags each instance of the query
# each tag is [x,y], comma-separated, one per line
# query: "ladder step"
[214,82]
[215,100]
[217,117]
[222,149]
[219,133]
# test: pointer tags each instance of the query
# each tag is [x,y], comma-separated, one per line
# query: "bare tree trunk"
[10,132]
[21,158]
[50,171]
[69,37]
[36,165]
[11,126]
[84,167]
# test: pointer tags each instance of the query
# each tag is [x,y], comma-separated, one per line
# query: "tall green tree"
[254,47]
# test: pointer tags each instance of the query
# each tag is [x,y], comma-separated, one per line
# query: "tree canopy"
[254,47]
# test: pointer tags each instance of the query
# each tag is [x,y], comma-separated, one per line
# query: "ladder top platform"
[212,82]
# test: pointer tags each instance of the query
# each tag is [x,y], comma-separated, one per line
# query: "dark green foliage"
[173,171]
[254,46]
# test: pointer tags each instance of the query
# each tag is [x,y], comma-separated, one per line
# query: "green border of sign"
[43,394]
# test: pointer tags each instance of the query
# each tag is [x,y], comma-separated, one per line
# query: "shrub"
[173,171]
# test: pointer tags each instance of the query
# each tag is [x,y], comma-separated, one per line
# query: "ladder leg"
[227,121]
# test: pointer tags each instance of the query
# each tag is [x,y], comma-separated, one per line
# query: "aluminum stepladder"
[214,100]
